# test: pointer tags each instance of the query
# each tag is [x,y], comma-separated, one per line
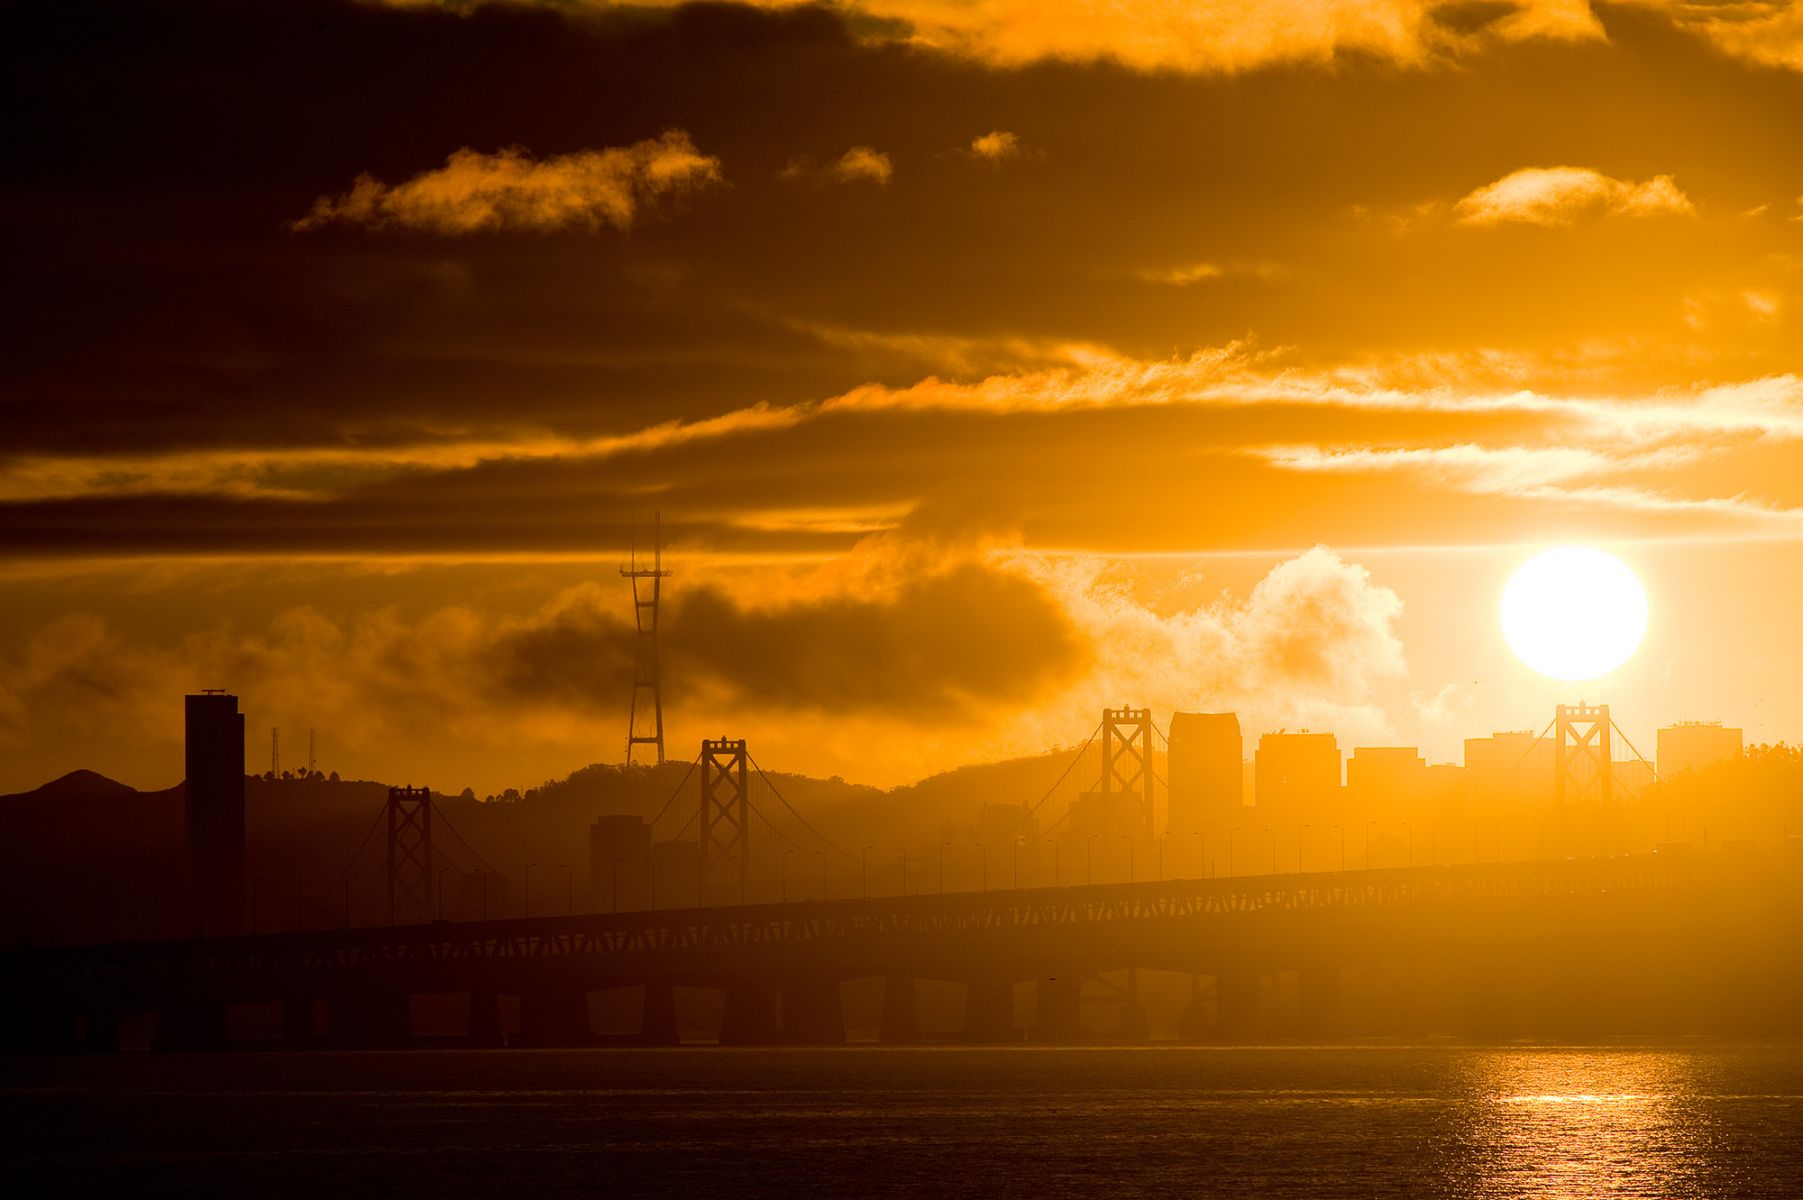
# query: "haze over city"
[742,571]
[1028,373]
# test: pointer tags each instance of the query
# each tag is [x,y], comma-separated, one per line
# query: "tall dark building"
[215,814]
[1207,777]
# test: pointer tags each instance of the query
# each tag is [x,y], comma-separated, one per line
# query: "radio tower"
[275,752]
[647,692]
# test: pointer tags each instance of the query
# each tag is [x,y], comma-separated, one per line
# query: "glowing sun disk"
[1574,613]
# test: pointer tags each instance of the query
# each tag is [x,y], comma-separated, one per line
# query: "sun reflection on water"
[1571,1123]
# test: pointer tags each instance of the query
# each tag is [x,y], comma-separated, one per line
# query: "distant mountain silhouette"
[85,857]
[77,787]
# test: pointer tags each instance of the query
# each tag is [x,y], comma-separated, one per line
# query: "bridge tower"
[1581,754]
[410,874]
[725,821]
[645,719]
[1127,764]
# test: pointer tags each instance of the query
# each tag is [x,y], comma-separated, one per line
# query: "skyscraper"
[1207,777]
[215,814]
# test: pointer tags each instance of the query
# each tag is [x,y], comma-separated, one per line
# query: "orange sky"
[989,362]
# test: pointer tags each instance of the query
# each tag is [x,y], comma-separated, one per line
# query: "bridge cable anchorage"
[824,840]
[1033,809]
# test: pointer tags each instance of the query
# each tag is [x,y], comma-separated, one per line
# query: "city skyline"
[1046,598]
[1057,362]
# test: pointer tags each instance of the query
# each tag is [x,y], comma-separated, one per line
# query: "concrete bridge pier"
[30,1026]
[989,1010]
[1058,1009]
[191,1023]
[555,1014]
[35,1029]
[1131,1024]
[297,1021]
[484,1024]
[1320,992]
[370,1018]
[812,1012]
[100,1028]
[1237,1012]
[749,1017]
[901,1011]
[657,1022]
[1195,1021]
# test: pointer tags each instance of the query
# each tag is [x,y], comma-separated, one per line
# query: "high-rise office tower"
[215,814]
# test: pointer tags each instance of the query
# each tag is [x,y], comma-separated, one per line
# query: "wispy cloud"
[998,145]
[1565,195]
[860,164]
[1186,274]
[1570,475]
[475,192]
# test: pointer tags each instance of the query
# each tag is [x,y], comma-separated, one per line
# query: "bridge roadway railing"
[743,928]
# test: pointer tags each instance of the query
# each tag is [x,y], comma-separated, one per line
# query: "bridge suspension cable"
[775,791]
[1032,810]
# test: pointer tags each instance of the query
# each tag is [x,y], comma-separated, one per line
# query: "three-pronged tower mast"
[647,688]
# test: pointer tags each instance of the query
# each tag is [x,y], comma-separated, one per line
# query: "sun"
[1574,613]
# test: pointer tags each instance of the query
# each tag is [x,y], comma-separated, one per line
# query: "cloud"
[1555,196]
[1205,36]
[1186,274]
[1566,475]
[997,145]
[1767,32]
[860,164]
[474,192]
[929,646]
[1312,643]
[980,650]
